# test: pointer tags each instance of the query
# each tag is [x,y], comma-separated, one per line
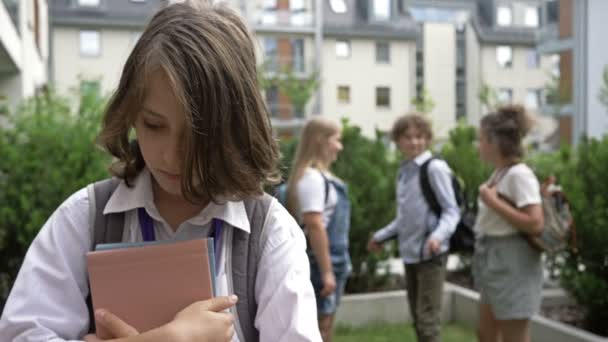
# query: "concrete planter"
[460,305]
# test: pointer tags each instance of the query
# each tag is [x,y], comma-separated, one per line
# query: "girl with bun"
[507,271]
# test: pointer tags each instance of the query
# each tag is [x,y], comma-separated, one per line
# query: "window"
[269,4]
[342,48]
[297,49]
[504,56]
[338,6]
[383,52]
[272,99]
[88,3]
[533,59]
[383,97]
[296,5]
[533,98]
[504,16]
[343,94]
[90,43]
[382,9]
[505,95]
[531,18]
[270,53]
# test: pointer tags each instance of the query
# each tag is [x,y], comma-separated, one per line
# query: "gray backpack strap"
[106,228]
[246,253]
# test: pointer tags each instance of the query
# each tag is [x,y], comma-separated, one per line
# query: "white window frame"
[500,95]
[89,3]
[504,50]
[504,16]
[89,48]
[343,48]
[338,6]
[532,17]
[381,10]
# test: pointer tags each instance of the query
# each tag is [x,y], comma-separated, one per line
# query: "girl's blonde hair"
[311,152]
[207,53]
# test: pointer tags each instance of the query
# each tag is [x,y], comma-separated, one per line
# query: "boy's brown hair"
[411,120]
[208,55]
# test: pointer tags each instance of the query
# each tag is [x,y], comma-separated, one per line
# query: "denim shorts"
[328,305]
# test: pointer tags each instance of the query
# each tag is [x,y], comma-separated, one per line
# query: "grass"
[383,332]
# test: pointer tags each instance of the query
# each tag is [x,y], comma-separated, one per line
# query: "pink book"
[147,286]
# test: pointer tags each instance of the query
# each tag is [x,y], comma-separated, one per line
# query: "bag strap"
[326,181]
[427,190]
[246,254]
[105,228]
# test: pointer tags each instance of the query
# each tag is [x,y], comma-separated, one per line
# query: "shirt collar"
[140,195]
[423,157]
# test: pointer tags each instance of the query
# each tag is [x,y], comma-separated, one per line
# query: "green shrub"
[585,273]
[47,154]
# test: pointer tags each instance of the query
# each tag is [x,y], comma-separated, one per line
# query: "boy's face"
[159,128]
[412,143]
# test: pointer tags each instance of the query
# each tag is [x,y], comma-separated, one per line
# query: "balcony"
[276,66]
[284,20]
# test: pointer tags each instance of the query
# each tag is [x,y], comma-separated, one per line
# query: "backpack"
[244,259]
[559,232]
[463,238]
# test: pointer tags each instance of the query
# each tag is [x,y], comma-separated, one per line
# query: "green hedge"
[47,154]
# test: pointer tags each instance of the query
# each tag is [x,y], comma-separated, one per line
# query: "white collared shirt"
[47,300]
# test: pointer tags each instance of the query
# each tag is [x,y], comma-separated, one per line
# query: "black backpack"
[463,239]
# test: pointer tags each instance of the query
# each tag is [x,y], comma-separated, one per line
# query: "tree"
[298,88]
[423,103]
[488,97]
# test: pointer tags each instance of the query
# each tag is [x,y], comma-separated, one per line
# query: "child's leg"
[411,288]
[326,323]
[516,330]
[430,278]
[488,328]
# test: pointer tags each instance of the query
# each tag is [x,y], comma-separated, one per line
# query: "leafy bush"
[47,154]
[585,273]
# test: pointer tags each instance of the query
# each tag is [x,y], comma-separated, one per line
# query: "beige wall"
[30,59]
[473,70]
[361,72]
[519,77]
[69,65]
[440,74]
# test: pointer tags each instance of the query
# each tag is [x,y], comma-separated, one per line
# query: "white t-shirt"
[311,194]
[520,186]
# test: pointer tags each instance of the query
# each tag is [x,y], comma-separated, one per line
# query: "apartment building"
[91,40]
[24,50]
[575,32]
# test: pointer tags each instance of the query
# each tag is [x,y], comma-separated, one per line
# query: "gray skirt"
[508,274]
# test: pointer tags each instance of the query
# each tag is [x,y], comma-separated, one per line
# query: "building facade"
[24,50]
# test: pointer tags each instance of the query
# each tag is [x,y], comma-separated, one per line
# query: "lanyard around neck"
[147,232]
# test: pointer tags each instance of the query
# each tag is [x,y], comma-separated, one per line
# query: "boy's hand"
[433,246]
[204,321]
[373,246]
[488,194]
[114,325]
[329,284]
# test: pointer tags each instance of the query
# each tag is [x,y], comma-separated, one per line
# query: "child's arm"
[48,297]
[529,219]
[199,322]
[286,301]
[319,242]
[440,179]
